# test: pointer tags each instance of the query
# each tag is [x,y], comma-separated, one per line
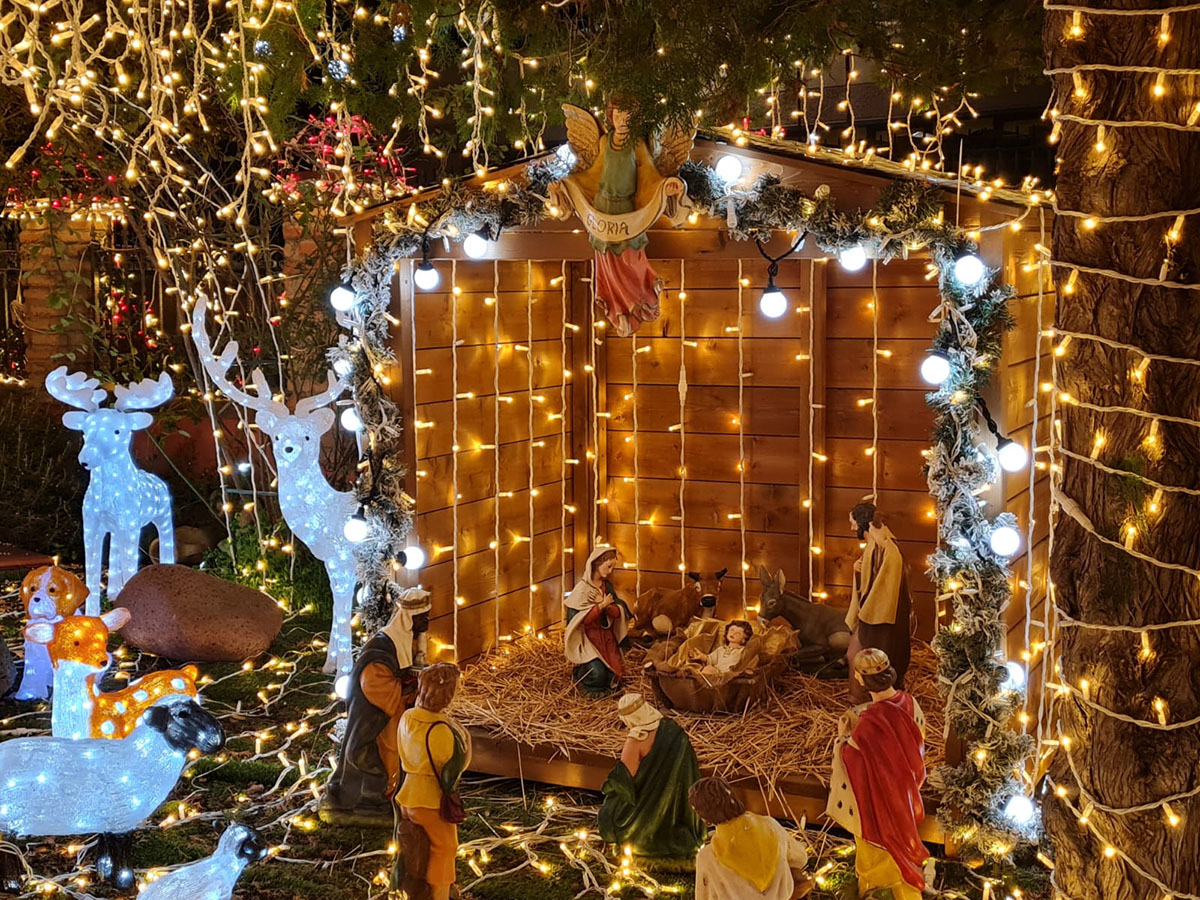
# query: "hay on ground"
[524,692]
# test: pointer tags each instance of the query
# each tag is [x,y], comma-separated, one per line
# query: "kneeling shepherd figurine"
[875,789]
[750,857]
[645,796]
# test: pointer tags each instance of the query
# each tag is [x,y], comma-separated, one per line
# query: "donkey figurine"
[314,511]
[821,629]
[121,499]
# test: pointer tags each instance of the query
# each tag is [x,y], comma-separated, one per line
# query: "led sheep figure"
[212,878]
[52,786]
[48,594]
[78,651]
[314,511]
[121,499]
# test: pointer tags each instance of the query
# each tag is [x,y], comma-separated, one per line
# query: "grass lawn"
[278,715]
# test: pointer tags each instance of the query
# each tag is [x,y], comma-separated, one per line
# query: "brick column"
[56,277]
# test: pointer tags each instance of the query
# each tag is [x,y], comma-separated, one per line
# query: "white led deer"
[121,499]
[314,511]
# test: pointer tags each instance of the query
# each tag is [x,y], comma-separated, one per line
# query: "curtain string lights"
[531,490]
[454,446]
[807,504]
[637,480]
[498,349]
[741,426]
[683,391]
[563,374]
[874,451]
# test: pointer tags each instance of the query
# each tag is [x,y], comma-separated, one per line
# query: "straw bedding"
[523,692]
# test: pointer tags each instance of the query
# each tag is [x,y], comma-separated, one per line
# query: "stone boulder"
[8,671]
[187,615]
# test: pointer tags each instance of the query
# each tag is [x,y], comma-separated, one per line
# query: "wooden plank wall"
[775,424]
[498,592]
[1019,382]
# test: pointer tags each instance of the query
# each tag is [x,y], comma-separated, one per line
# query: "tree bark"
[1140,171]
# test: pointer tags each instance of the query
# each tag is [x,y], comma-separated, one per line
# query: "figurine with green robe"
[646,803]
[620,188]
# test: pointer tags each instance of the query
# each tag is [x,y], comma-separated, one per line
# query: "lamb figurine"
[212,878]
[58,786]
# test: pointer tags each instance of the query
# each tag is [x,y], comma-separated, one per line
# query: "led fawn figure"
[78,650]
[121,499]
[315,512]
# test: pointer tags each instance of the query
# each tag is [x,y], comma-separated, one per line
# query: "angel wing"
[583,134]
[672,148]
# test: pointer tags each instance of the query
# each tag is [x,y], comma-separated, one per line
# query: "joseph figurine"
[646,796]
[382,685]
[880,604]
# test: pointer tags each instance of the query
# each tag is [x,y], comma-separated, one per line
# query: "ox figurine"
[661,610]
[821,629]
[121,499]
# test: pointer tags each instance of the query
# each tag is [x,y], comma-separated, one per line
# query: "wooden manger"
[714,438]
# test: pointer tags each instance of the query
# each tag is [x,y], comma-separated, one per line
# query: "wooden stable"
[565,432]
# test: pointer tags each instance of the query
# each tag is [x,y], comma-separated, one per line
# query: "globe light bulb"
[773,303]
[1005,541]
[341,298]
[355,528]
[351,420]
[1013,456]
[1019,809]
[566,154]
[475,246]
[729,168]
[414,558]
[935,368]
[1016,677]
[853,258]
[343,367]
[341,687]
[426,276]
[969,270]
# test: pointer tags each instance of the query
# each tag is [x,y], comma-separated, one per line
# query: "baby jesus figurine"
[729,654]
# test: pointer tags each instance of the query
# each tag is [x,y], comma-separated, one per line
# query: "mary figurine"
[597,622]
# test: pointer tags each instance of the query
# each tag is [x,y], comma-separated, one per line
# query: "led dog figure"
[212,878]
[121,499]
[57,786]
[314,511]
[78,650]
[48,594]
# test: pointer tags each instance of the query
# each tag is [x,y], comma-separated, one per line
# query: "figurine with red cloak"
[619,188]
[875,789]
[597,624]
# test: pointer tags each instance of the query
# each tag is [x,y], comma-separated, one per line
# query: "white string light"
[874,381]
[808,503]
[454,540]
[637,480]
[497,349]
[741,424]
[529,494]
[683,391]
[562,439]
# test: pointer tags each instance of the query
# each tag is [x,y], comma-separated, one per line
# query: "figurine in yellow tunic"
[434,751]
[620,189]
[750,857]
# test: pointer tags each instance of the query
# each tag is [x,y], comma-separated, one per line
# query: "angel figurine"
[620,189]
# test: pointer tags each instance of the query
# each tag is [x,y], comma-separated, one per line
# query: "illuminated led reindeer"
[121,499]
[314,511]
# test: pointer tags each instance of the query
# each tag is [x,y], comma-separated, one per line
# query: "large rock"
[188,615]
[8,672]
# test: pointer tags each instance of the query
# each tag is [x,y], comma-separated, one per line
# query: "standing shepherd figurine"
[434,752]
[382,685]
[597,623]
[875,789]
[750,857]
[880,605]
[646,796]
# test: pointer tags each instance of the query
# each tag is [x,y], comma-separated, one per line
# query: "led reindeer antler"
[75,390]
[145,394]
[217,367]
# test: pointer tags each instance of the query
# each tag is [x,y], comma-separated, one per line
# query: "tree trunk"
[1138,171]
